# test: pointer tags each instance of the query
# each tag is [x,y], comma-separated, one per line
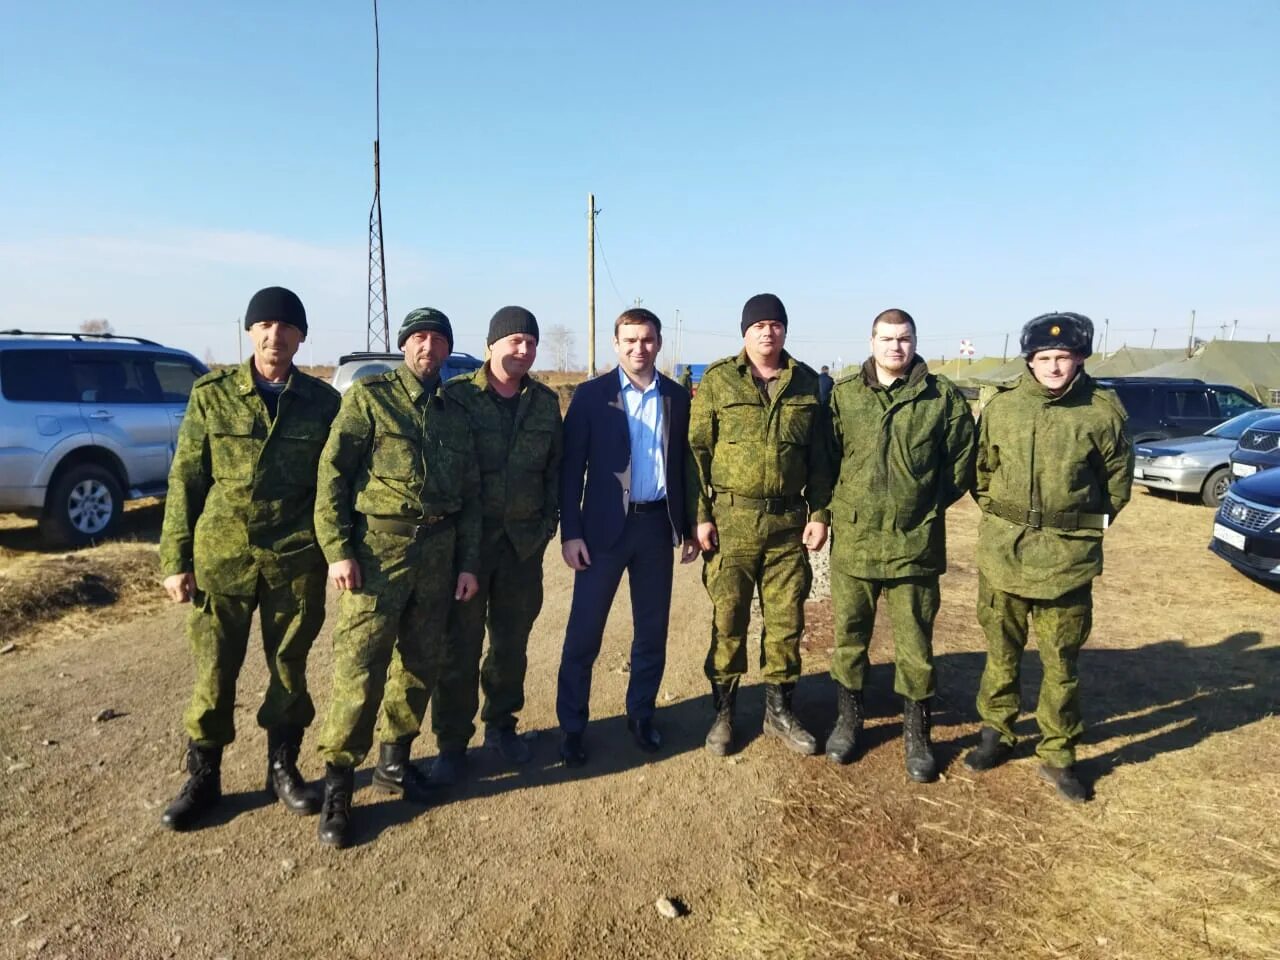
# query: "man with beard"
[398,518]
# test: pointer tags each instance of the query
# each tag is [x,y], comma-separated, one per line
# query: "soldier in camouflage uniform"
[398,519]
[237,537]
[519,440]
[1054,468]
[902,445]
[764,482]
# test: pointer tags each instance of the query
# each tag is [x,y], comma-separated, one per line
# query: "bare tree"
[559,341]
[98,325]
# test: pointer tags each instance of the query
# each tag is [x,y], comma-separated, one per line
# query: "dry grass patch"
[1178,855]
[66,595]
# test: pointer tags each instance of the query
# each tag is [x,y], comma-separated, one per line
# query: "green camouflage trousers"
[387,642]
[912,603]
[509,601]
[1061,626]
[218,626]
[757,551]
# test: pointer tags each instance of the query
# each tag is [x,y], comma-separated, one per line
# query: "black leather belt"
[405,528]
[647,506]
[774,506]
[1067,520]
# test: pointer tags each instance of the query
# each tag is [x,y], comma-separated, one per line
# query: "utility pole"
[1004,356]
[1234,323]
[1153,339]
[675,362]
[1106,328]
[591,284]
[1191,340]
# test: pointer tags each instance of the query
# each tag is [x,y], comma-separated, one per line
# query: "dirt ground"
[1178,856]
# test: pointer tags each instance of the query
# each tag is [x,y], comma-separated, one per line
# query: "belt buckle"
[774,506]
[1034,519]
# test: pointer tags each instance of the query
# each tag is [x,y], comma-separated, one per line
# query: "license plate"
[1243,469]
[1227,535]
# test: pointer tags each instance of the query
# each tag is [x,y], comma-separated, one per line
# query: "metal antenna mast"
[377,312]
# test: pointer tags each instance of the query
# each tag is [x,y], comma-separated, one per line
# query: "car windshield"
[1233,428]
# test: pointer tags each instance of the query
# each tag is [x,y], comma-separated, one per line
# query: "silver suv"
[86,422]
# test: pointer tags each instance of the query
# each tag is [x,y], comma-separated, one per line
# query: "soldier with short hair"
[1054,467]
[902,446]
[519,441]
[238,537]
[398,518]
[761,496]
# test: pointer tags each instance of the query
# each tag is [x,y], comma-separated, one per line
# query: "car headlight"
[1173,461]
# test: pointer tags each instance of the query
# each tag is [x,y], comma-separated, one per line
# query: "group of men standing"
[429,506]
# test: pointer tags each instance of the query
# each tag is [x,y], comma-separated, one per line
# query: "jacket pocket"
[233,448]
[395,457]
[798,417]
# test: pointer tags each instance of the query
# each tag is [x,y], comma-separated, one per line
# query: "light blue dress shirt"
[644,421]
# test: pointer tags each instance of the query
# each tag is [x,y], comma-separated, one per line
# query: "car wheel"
[1215,487]
[83,506]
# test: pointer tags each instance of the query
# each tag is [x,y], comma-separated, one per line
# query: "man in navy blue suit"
[626,436]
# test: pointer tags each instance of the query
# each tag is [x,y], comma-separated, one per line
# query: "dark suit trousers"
[644,551]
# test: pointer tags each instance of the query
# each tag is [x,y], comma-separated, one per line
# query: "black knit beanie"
[763,306]
[511,320]
[276,303]
[425,318]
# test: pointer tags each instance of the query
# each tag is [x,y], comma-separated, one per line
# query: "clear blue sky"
[973,163]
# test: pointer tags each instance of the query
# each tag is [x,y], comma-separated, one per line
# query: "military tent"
[1253,367]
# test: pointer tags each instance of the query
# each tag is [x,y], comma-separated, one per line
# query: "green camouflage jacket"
[398,452]
[901,459]
[242,486]
[520,480]
[744,445]
[1052,472]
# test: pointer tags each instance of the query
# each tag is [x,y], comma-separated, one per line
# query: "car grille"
[1243,513]
[1260,441]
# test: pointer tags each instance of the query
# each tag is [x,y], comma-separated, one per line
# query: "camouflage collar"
[412,385]
[915,375]
[245,384]
[481,378]
[744,364]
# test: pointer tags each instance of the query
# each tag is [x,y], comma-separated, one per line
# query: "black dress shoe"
[572,753]
[646,735]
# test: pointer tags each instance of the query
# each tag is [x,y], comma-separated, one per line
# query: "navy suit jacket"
[597,450]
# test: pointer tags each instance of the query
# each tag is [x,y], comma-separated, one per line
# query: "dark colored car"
[1246,529]
[1163,407]
[1258,448]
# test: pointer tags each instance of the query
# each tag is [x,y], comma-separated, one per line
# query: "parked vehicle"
[1246,529]
[1164,407]
[87,421]
[1199,464]
[1258,449]
[357,366]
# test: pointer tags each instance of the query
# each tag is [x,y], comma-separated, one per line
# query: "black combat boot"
[508,744]
[842,745]
[990,752]
[200,793]
[720,736]
[450,767]
[334,828]
[395,774]
[916,723]
[284,782]
[782,723]
[1066,782]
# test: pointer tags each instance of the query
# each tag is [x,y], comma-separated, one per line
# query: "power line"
[607,270]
